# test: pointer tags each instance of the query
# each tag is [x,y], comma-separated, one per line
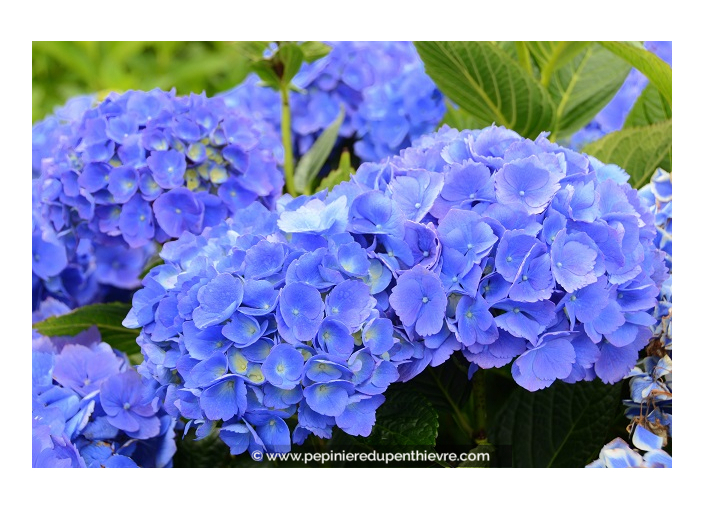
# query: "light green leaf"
[650,108]
[342,173]
[107,317]
[253,50]
[564,425]
[638,150]
[489,85]
[458,118]
[314,50]
[552,55]
[582,87]
[654,68]
[291,56]
[312,161]
[523,56]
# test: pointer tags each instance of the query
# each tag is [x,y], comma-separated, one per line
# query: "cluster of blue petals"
[90,408]
[618,454]
[546,254]
[57,129]
[388,99]
[650,405]
[480,241]
[613,116]
[137,169]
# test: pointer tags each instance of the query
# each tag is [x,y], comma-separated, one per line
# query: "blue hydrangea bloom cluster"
[650,405]
[90,408]
[651,380]
[388,99]
[137,169]
[275,314]
[617,454]
[478,241]
[56,129]
[613,116]
[546,254]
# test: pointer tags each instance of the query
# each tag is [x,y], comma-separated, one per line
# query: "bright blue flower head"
[138,169]
[90,408]
[544,253]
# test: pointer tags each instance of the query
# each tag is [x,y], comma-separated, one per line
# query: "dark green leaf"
[291,56]
[266,72]
[406,418]
[107,317]
[479,463]
[564,425]
[583,86]
[314,50]
[312,161]
[654,68]
[342,173]
[489,85]
[650,108]
[638,150]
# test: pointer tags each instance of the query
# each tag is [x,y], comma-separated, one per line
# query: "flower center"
[425,299]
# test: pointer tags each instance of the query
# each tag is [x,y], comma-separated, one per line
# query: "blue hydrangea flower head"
[139,168]
[90,408]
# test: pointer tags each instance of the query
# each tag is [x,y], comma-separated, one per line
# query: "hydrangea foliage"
[138,169]
[388,99]
[613,116]
[90,408]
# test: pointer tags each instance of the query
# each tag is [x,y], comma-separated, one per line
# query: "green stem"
[459,416]
[479,390]
[287,142]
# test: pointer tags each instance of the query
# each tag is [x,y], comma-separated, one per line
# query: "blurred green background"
[61,70]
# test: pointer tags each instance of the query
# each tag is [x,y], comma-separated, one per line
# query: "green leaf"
[312,161]
[291,56]
[638,150]
[406,418]
[314,50]
[253,50]
[342,173]
[564,425]
[582,87]
[650,108]
[266,72]
[107,317]
[552,55]
[654,68]
[489,85]
[523,56]
[458,118]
